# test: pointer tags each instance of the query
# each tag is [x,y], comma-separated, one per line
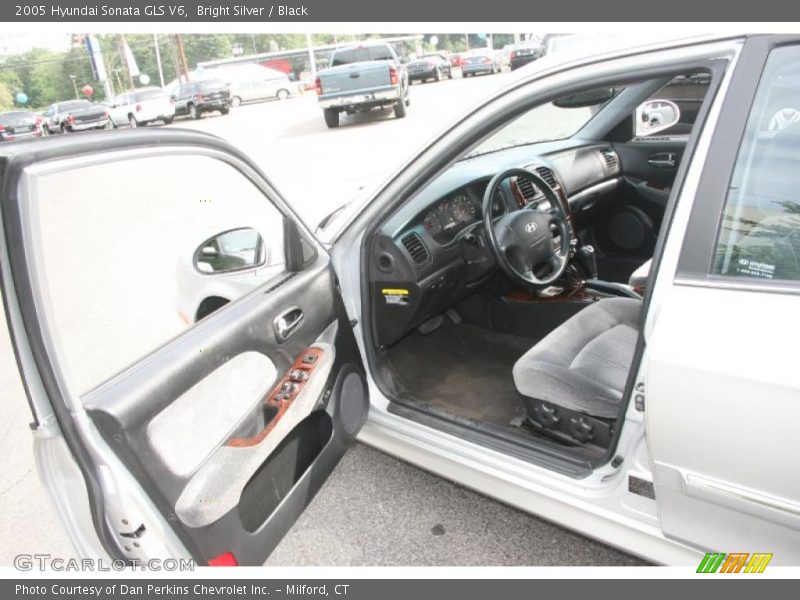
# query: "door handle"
[667,160]
[287,323]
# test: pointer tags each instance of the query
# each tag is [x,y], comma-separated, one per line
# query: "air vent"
[547,175]
[612,160]
[417,249]
[526,188]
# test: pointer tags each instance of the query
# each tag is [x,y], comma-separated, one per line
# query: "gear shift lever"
[588,261]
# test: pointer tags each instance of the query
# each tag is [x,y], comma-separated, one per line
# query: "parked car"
[141,107]
[19,125]
[472,317]
[524,53]
[361,78]
[253,83]
[481,60]
[75,115]
[429,67]
[578,44]
[198,97]
[279,88]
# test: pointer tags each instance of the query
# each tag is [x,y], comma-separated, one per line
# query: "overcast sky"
[19,43]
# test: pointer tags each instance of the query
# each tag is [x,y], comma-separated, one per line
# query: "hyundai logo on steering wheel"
[531,227]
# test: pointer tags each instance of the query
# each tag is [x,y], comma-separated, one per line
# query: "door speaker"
[630,228]
[352,403]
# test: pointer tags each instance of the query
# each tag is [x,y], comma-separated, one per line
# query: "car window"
[543,123]
[367,53]
[145,95]
[209,84]
[683,95]
[759,235]
[14,116]
[73,105]
[118,249]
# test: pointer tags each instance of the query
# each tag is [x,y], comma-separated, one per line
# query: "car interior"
[506,296]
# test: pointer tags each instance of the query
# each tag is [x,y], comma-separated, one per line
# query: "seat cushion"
[583,364]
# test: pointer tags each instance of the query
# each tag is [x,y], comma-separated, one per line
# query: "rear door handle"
[667,160]
[287,323]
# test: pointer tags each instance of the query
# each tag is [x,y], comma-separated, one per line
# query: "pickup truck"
[361,78]
[75,115]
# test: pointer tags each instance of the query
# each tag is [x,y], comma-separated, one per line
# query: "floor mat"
[463,369]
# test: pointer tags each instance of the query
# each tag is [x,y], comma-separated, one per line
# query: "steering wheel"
[522,240]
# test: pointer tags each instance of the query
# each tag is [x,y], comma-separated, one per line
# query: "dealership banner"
[362,11]
[388,589]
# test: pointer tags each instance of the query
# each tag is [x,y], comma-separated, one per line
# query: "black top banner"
[377,11]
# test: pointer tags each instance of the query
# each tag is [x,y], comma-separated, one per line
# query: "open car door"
[196,435]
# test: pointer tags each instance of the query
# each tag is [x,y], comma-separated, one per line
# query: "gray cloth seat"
[583,364]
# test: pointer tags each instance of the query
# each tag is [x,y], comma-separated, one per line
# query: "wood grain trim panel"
[284,393]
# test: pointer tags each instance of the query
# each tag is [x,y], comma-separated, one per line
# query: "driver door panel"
[626,228]
[182,422]
[230,426]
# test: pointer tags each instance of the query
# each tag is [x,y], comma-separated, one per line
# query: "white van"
[253,83]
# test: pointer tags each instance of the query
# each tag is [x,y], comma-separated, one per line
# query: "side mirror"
[234,250]
[654,116]
[586,98]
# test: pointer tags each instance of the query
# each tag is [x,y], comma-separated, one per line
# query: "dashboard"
[452,214]
[433,249]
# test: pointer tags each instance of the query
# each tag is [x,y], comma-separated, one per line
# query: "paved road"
[375,510]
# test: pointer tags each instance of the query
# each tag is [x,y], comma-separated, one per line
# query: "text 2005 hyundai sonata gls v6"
[561,302]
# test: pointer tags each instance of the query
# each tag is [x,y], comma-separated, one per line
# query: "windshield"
[354,55]
[75,104]
[13,117]
[210,84]
[151,95]
[545,123]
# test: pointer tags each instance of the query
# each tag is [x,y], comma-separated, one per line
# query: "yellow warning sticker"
[396,295]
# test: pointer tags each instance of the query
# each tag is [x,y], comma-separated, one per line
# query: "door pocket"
[216,487]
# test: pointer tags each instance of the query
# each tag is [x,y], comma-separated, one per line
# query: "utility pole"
[158,59]
[182,56]
[74,86]
[466,39]
[174,54]
[311,60]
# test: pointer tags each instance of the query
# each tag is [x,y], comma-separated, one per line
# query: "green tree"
[203,47]
[6,98]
